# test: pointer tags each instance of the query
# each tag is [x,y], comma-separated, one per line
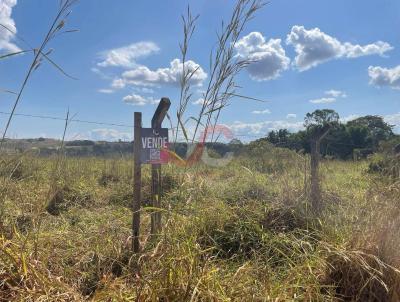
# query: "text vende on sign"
[154,145]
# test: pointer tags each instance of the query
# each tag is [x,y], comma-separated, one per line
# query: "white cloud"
[138,100]
[268,58]
[349,118]
[393,119]
[323,101]
[314,47]
[102,75]
[118,84]
[336,93]
[143,76]
[291,116]
[145,90]
[380,76]
[102,134]
[105,91]
[332,96]
[241,128]
[126,56]
[377,48]
[266,111]
[6,36]
[199,101]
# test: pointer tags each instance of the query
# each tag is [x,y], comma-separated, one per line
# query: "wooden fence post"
[156,198]
[156,123]
[137,174]
[316,200]
[315,181]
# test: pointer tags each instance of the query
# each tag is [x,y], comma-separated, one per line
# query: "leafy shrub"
[386,165]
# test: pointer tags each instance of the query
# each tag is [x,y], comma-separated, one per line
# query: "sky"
[307,55]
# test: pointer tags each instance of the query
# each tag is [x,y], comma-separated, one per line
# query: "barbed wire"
[71,120]
[49,117]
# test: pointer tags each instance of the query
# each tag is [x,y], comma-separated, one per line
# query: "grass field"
[243,232]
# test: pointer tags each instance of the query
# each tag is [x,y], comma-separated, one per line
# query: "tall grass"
[40,54]
[241,232]
[224,67]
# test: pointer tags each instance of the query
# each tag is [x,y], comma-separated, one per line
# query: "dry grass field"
[243,232]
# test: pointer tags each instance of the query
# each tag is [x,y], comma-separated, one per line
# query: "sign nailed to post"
[150,147]
[154,143]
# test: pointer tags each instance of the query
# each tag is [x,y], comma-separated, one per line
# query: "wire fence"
[123,136]
[48,117]
[128,126]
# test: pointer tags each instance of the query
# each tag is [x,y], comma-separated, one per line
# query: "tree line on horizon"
[357,138]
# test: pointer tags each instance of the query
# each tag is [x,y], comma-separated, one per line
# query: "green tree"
[378,130]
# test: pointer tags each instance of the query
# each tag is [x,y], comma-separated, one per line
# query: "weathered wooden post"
[137,174]
[315,194]
[156,123]
[149,145]
[315,181]
[318,124]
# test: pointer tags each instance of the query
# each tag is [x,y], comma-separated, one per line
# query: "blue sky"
[311,54]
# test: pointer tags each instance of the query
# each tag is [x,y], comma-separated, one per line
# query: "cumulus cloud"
[110,135]
[118,83]
[199,101]
[323,101]
[291,116]
[138,100]
[145,90]
[102,74]
[6,36]
[332,96]
[102,134]
[336,93]
[126,56]
[349,118]
[243,128]
[266,111]
[393,119]
[144,76]
[314,47]
[268,59]
[380,76]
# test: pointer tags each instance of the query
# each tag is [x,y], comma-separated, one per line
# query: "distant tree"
[337,143]
[363,136]
[272,137]
[235,146]
[279,137]
[235,141]
[283,135]
[258,147]
[359,135]
[319,122]
[377,129]
[80,143]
